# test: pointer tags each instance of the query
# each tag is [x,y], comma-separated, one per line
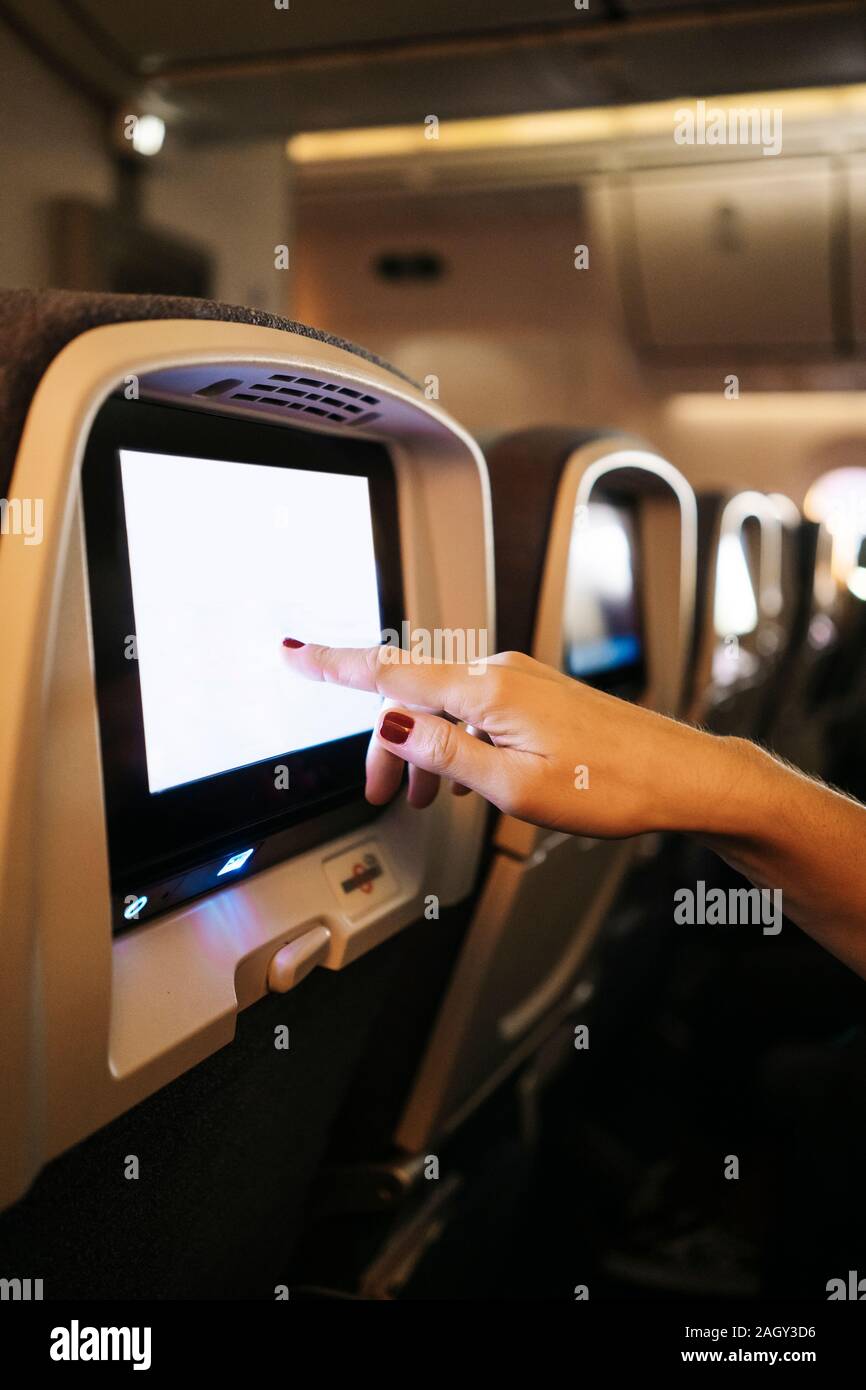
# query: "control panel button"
[361,879]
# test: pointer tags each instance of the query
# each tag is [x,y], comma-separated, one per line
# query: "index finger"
[399,675]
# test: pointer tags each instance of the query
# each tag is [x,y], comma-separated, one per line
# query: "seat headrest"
[525,469]
[35,325]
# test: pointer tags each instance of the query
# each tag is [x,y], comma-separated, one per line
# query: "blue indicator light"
[236,862]
[133,907]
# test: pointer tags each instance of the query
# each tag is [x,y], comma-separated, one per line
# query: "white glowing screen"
[226,559]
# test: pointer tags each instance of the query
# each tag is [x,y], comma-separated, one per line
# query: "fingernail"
[396,728]
[293,642]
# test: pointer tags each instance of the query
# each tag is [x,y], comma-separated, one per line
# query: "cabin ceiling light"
[587,125]
[148,135]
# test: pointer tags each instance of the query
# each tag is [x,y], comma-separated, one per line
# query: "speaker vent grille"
[219,388]
[325,400]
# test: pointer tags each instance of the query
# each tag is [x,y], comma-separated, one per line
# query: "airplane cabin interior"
[521,348]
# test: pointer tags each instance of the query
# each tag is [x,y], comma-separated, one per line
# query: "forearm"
[783,830]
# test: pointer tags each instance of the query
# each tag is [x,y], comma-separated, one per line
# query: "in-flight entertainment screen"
[602,635]
[225,559]
[209,539]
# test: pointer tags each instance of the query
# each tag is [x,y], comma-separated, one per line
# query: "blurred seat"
[793,723]
[595,554]
[745,611]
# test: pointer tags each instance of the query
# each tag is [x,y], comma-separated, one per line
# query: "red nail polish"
[396,727]
[293,642]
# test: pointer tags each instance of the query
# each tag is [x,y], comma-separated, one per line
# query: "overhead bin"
[734,256]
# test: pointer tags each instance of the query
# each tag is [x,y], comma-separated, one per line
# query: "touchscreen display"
[226,559]
[602,625]
[735,607]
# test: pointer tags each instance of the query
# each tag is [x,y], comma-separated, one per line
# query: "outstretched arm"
[560,754]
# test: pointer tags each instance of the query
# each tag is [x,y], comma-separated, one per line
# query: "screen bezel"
[629,680]
[158,833]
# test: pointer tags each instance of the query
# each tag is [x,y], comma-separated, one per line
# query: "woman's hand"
[547,749]
[537,744]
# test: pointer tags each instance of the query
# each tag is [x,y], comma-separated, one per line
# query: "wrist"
[719,787]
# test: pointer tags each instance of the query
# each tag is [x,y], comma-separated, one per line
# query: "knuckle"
[377,659]
[498,684]
[442,746]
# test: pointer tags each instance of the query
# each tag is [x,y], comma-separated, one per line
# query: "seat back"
[183,1025]
[559,498]
[746,609]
